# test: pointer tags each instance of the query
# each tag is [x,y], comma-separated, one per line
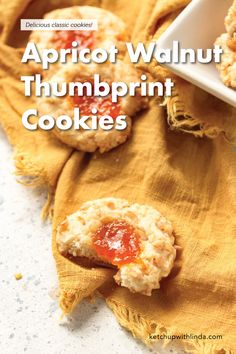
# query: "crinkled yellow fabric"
[191,181]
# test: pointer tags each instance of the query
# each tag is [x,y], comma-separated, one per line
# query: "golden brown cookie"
[134,238]
[91,140]
[111,31]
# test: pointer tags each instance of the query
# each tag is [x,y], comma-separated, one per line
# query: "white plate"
[198,26]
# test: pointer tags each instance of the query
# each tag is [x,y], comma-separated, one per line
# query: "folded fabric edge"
[68,300]
[179,119]
[71,298]
[31,176]
[142,328]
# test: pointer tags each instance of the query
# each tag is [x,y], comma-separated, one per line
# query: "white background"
[29,315]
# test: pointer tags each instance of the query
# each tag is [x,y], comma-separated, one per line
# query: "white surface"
[198,26]
[29,320]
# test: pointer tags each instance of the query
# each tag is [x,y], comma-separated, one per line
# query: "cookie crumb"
[18,276]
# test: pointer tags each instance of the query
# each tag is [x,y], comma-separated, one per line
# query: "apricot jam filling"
[117,242]
[63,39]
[104,105]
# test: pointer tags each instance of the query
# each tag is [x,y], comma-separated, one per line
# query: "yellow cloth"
[191,181]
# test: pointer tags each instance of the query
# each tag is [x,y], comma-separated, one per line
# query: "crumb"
[18,276]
